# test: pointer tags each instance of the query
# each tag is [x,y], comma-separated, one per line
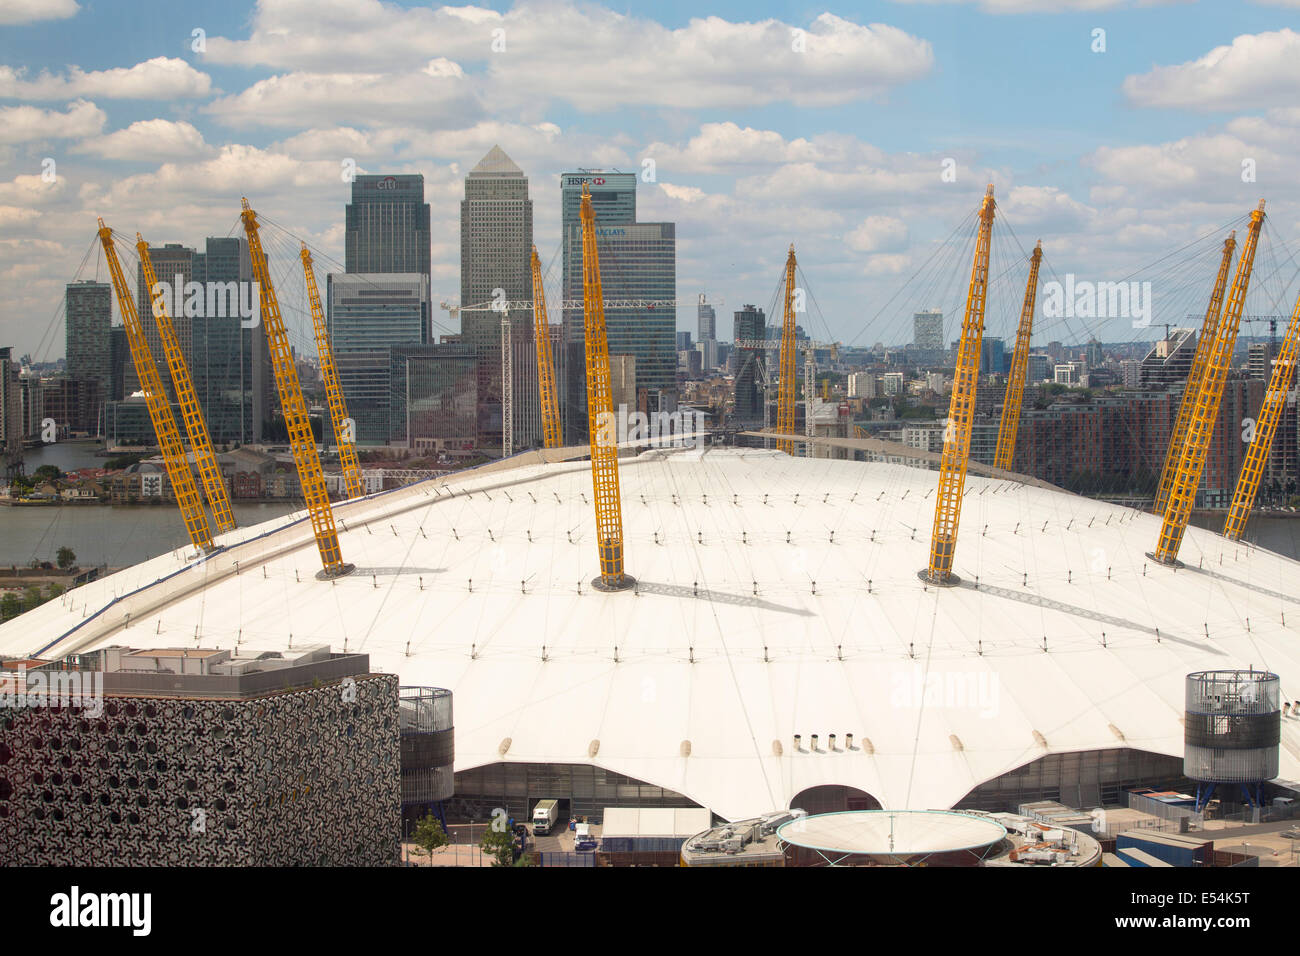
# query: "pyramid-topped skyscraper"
[496,238]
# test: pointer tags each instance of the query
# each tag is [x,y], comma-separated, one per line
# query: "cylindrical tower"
[428,750]
[1233,728]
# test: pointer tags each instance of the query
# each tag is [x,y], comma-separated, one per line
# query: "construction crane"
[1205,411]
[961,410]
[785,382]
[1280,382]
[353,483]
[603,434]
[301,440]
[1195,376]
[507,389]
[160,411]
[551,435]
[1015,395]
[191,412]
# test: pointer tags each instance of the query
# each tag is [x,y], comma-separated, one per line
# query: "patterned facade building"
[192,757]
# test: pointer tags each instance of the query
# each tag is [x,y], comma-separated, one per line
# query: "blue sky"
[1111,158]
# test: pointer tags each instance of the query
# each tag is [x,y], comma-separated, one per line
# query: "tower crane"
[1280,382]
[353,483]
[785,383]
[603,434]
[1205,411]
[1015,396]
[1195,376]
[301,440]
[961,410]
[191,412]
[160,412]
[551,436]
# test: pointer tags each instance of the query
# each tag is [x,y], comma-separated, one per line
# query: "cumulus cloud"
[590,56]
[436,95]
[23,124]
[1256,69]
[14,12]
[161,78]
[149,140]
[878,233]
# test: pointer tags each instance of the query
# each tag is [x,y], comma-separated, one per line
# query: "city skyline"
[163,138]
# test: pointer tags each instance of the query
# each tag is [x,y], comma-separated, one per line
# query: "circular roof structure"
[777,600]
[898,835]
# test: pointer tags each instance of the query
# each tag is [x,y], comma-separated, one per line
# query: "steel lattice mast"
[961,409]
[551,436]
[353,483]
[301,440]
[1195,377]
[1243,498]
[602,427]
[160,412]
[786,380]
[191,412]
[1015,396]
[1205,411]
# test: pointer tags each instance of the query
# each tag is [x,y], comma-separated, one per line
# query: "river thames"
[120,535]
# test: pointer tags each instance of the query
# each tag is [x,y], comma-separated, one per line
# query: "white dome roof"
[750,624]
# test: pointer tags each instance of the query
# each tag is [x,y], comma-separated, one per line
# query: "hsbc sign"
[580,180]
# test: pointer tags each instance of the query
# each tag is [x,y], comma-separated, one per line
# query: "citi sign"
[209,300]
[388,182]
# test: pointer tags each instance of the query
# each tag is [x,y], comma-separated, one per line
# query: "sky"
[1128,137]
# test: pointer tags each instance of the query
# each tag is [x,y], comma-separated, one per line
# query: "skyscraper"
[496,240]
[927,329]
[708,321]
[369,315]
[387,225]
[751,325]
[638,260]
[230,364]
[173,264]
[89,318]
[11,413]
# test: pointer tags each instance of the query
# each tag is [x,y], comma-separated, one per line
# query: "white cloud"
[161,78]
[14,12]
[1260,69]
[304,100]
[23,124]
[590,56]
[878,233]
[155,139]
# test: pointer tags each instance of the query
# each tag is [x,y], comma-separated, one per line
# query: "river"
[126,534]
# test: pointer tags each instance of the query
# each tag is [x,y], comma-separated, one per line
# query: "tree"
[10,606]
[429,835]
[499,843]
[53,590]
[47,473]
[66,557]
[32,598]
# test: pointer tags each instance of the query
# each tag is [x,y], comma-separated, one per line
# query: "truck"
[545,816]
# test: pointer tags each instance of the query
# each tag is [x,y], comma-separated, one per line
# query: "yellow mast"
[961,410]
[1243,499]
[352,481]
[1205,411]
[160,412]
[545,370]
[602,427]
[294,408]
[191,412]
[785,390]
[1015,396]
[1195,376]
